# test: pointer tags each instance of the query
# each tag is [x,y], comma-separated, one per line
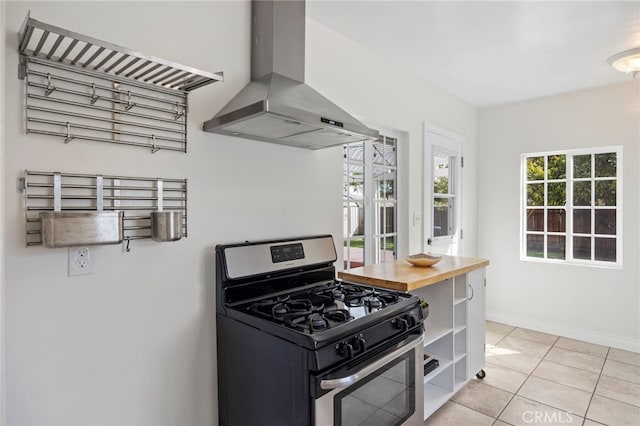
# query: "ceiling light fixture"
[627,61]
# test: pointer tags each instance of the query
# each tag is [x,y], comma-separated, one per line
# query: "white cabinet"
[476,325]
[454,334]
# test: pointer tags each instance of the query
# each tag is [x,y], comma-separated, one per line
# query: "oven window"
[385,397]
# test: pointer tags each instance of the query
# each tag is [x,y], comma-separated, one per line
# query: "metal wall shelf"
[60,45]
[137,197]
[81,88]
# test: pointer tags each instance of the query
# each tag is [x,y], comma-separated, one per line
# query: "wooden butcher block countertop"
[401,275]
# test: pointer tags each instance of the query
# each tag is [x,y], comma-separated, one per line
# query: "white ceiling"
[491,52]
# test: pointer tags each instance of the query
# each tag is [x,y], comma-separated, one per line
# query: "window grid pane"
[582,248]
[605,249]
[535,220]
[605,221]
[605,165]
[556,220]
[556,246]
[535,194]
[605,193]
[535,245]
[582,221]
[443,212]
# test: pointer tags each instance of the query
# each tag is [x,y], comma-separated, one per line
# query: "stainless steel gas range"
[296,347]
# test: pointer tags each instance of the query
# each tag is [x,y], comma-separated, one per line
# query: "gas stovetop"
[323,307]
[288,289]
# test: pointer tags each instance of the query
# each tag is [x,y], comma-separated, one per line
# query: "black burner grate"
[323,307]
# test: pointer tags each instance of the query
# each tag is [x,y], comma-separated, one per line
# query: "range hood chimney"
[277,106]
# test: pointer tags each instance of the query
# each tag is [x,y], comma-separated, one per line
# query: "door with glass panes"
[370,202]
[443,191]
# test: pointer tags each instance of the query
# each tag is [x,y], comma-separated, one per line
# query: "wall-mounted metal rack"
[82,88]
[87,106]
[136,197]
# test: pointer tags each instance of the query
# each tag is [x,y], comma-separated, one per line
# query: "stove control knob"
[358,343]
[362,343]
[345,349]
[404,323]
[411,319]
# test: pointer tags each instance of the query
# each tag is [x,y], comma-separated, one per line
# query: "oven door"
[387,390]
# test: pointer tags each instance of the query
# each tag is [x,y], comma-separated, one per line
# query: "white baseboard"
[613,341]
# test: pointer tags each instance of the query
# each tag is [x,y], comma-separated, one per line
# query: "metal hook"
[50,88]
[127,249]
[69,137]
[154,147]
[178,113]
[129,103]
[94,97]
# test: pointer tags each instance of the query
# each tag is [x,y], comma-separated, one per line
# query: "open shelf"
[460,369]
[448,330]
[459,383]
[459,328]
[434,397]
[460,288]
[460,316]
[444,363]
[434,332]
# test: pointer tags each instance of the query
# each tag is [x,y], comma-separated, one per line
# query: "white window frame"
[569,208]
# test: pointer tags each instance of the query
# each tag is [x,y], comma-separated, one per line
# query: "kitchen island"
[454,288]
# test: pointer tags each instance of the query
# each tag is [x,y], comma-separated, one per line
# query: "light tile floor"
[535,378]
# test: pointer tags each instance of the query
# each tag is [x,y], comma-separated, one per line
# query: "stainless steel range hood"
[277,106]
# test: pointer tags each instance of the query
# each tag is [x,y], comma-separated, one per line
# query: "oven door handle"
[344,382]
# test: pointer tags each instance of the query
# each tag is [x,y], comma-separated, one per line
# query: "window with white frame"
[571,206]
[444,193]
[370,202]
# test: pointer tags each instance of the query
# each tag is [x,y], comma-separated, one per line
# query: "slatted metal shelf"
[42,40]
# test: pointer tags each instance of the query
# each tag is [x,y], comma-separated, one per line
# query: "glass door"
[370,200]
[443,191]
[388,396]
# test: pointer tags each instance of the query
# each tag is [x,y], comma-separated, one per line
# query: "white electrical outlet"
[81,261]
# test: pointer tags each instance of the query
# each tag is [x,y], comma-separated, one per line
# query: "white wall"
[134,343]
[375,88]
[600,305]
